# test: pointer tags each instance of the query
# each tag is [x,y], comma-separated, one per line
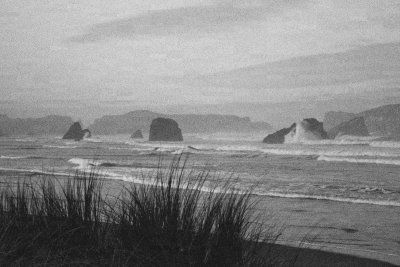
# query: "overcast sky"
[194,51]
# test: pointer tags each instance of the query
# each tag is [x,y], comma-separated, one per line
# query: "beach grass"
[174,220]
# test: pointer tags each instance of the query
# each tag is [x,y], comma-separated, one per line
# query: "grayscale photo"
[200,133]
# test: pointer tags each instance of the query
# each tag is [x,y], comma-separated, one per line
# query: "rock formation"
[354,127]
[279,136]
[308,129]
[76,133]
[137,135]
[163,129]
[382,121]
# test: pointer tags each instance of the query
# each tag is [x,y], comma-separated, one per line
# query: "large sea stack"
[76,132]
[162,129]
[307,129]
[354,127]
[137,135]
[279,136]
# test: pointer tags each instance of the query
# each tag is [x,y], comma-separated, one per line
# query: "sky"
[194,52]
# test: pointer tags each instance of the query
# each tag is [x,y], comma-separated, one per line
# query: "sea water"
[339,195]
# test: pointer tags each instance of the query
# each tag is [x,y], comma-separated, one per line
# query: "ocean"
[337,195]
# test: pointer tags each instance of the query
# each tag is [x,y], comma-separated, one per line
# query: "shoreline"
[308,252]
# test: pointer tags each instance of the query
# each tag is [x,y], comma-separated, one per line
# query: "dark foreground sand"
[284,255]
[311,257]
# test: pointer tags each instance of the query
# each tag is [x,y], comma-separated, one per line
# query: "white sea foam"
[93,140]
[61,147]
[302,133]
[328,148]
[35,171]
[385,144]
[12,157]
[84,164]
[150,180]
[360,160]
[227,136]
[312,151]
[330,198]
[146,176]
[337,142]
[25,140]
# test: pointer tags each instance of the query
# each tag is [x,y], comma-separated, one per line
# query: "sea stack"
[137,135]
[163,129]
[305,130]
[354,127]
[279,136]
[76,133]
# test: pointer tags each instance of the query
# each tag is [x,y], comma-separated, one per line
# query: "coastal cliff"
[189,123]
[49,125]
[381,121]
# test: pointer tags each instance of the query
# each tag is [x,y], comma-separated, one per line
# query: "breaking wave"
[84,163]
[35,171]
[360,160]
[61,147]
[216,189]
[330,198]
[13,157]
[385,144]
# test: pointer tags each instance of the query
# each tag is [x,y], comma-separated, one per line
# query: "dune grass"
[173,221]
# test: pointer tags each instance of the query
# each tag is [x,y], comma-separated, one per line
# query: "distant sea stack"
[163,129]
[76,132]
[353,127]
[307,129]
[137,135]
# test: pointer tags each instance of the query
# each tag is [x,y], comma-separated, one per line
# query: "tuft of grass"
[174,221]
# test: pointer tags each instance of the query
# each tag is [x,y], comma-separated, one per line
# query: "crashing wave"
[306,130]
[84,163]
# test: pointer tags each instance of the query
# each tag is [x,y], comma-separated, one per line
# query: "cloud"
[364,64]
[185,20]
[173,21]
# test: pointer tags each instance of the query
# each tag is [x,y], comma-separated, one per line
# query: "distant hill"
[380,121]
[383,120]
[189,123]
[335,118]
[48,125]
